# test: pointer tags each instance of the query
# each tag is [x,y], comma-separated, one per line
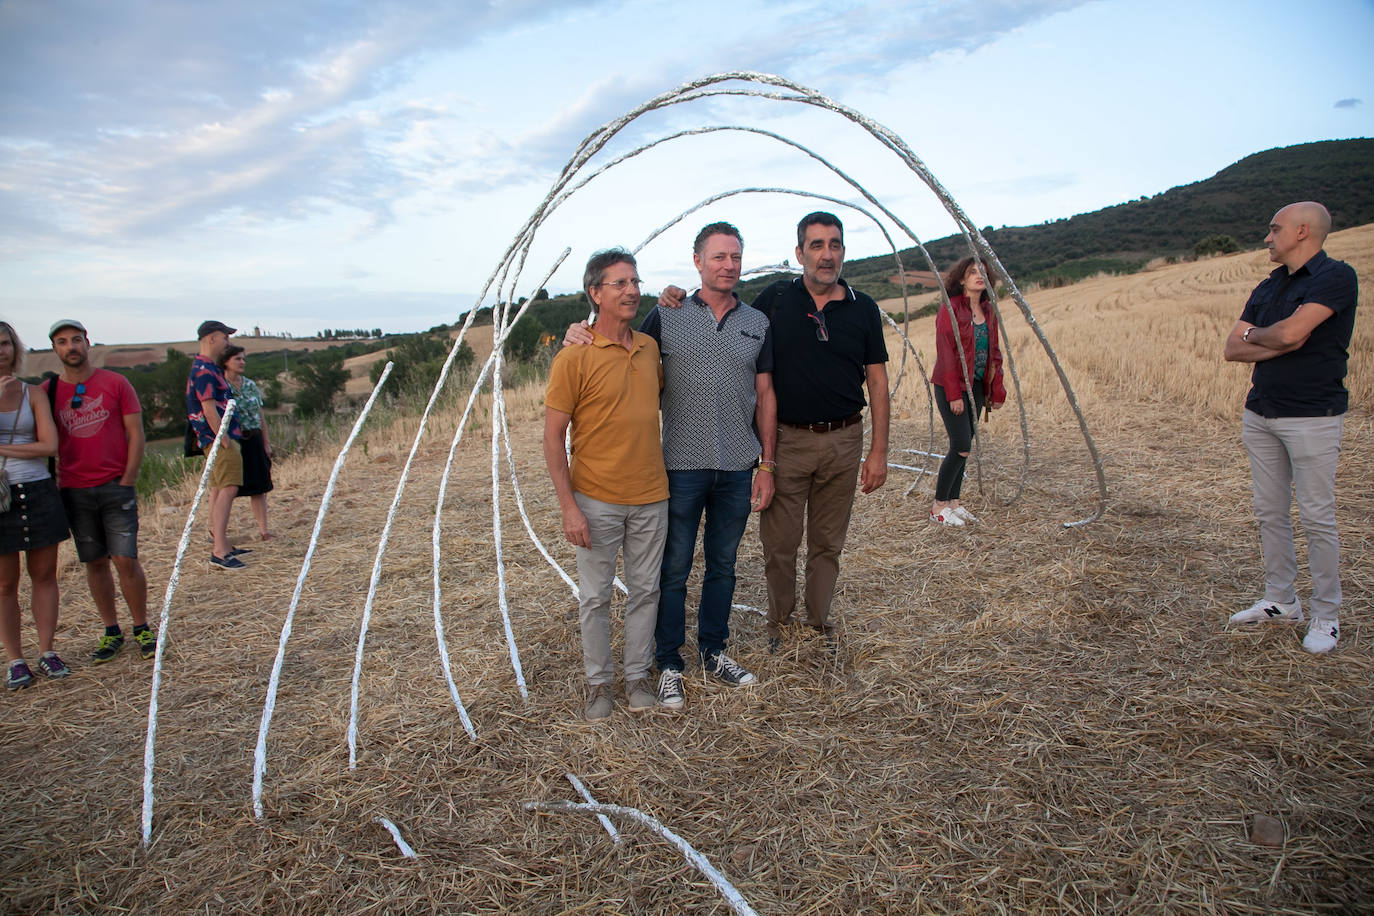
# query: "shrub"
[1215,244]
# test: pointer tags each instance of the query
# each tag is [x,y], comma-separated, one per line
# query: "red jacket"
[947,373]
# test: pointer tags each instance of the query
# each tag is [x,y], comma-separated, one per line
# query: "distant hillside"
[1237,201]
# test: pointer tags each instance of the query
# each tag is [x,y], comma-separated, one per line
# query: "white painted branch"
[166,619]
[270,705]
[395,832]
[732,896]
[605,821]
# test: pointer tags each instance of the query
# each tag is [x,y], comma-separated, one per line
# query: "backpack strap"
[50,386]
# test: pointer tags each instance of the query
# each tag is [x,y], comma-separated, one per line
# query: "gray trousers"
[1291,455]
[640,531]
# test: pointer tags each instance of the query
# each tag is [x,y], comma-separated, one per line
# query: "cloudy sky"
[304,165]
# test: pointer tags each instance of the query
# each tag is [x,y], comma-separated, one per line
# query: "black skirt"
[35,518]
[257,467]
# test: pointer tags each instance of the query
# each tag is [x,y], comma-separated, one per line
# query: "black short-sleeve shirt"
[1309,381]
[821,381]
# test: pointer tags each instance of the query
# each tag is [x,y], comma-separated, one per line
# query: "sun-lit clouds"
[155,119]
[154,150]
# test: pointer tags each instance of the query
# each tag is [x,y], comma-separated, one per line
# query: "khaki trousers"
[1296,457]
[640,532]
[817,474]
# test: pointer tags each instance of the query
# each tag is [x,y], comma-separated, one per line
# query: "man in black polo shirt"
[1296,329]
[827,346]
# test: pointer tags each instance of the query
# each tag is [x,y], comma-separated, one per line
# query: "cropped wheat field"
[1021,717]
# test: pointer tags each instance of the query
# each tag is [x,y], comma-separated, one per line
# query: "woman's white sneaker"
[965,514]
[947,517]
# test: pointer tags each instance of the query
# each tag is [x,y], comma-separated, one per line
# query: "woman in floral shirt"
[257,450]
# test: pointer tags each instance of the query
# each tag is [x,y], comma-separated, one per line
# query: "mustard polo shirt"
[612,395]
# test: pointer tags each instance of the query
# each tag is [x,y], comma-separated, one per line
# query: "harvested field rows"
[1021,718]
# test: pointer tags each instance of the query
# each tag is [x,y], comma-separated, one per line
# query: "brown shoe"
[598,702]
[638,696]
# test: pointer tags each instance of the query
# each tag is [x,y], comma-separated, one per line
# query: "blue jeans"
[724,496]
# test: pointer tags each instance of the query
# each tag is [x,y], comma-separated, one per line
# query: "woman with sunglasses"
[34,521]
[963,389]
[257,450]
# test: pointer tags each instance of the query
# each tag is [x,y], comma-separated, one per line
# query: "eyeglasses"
[619,285]
[822,333]
[76,398]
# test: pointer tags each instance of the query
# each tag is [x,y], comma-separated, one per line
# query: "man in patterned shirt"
[719,416]
[207,396]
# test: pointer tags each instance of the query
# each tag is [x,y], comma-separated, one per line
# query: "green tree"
[322,377]
[161,390]
[419,359]
[523,341]
[1215,244]
[271,393]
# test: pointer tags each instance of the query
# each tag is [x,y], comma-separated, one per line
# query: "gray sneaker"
[598,702]
[728,671]
[670,694]
[638,696]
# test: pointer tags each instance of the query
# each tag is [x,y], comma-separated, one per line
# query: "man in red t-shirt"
[99,451]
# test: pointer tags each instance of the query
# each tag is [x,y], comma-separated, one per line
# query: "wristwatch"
[1246,336]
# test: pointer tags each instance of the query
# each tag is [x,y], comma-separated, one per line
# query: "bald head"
[1297,232]
[1312,215]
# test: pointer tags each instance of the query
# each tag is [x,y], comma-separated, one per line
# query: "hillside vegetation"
[1236,202]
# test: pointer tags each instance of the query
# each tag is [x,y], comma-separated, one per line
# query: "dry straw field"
[1022,718]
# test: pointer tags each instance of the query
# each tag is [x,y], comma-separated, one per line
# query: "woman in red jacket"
[962,391]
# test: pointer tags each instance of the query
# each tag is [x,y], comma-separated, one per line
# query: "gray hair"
[597,266]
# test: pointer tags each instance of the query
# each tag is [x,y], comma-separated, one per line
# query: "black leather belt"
[829,426]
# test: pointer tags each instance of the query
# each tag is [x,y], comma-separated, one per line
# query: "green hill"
[1235,202]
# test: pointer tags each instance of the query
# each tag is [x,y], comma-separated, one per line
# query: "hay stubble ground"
[1022,717]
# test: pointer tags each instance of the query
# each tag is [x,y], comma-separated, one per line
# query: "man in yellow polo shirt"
[614,496]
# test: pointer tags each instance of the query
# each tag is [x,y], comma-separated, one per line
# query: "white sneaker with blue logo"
[1266,610]
[1321,635]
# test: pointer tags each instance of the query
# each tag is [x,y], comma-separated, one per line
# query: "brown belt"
[827,427]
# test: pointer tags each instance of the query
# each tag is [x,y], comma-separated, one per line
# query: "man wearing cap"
[207,396]
[99,452]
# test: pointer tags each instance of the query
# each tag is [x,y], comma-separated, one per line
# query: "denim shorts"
[104,520]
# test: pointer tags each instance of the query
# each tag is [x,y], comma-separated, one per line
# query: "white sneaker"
[1321,636]
[947,517]
[670,689]
[965,514]
[1265,610]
